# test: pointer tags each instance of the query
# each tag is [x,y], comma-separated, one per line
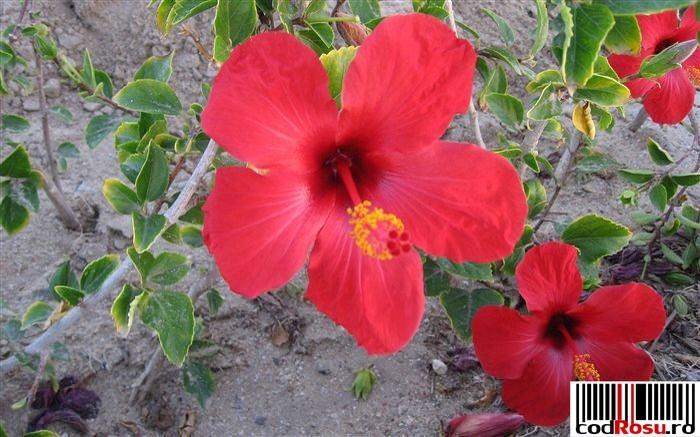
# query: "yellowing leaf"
[583,121]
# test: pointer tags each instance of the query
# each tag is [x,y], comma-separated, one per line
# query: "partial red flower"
[484,425]
[538,354]
[361,186]
[667,99]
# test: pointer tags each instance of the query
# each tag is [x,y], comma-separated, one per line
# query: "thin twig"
[142,385]
[53,169]
[89,303]
[639,120]
[13,35]
[530,142]
[336,8]
[473,115]
[194,36]
[65,213]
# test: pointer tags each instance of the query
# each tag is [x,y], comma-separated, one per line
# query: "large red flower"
[539,354]
[362,185]
[670,98]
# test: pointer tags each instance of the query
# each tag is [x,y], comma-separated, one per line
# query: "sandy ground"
[300,388]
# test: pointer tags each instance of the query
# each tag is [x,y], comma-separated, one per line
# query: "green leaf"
[504,27]
[311,39]
[63,275]
[536,197]
[149,95]
[153,178]
[214,301]
[462,305]
[546,107]
[679,279]
[46,47]
[658,154]
[436,280]
[14,123]
[634,7]
[95,273]
[41,433]
[12,330]
[124,307]
[508,109]
[235,21]
[198,380]
[367,10]
[591,24]
[671,255]
[122,198]
[686,179]
[504,55]
[637,176]
[88,72]
[660,64]
[324,31]
[68,150]
[566,35]
[467,270]
[542,31]
[13,216]
[168,268]
[659,197]
[16,164]
[192,236]
[156,68]
[146,230]
[643,219]
[36,314]
[103,80]
[184,9]
[604,91]
[162,14]
[625,36]
[99,127]
[71,295]
[596,237]
[171,315]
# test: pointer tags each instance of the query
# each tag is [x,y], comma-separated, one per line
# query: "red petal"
[409,78]
[260,228]
[380,303]
[693,61]
[689,25]
[672,100]
[626,65]
[657,27]
[505,341]
[639,87]
[619,361]
[622,313]
[456,200]
[548,278]
[541,395]
[270,103]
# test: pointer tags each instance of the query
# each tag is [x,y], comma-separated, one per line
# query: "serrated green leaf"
[16,164]
[122,198]
[658,197]
[198,380]
[658,154]
[37,313]
[565,36]
[156,68]
[69,294]
[100,127]
[508,109]
[171,315]
[503,26]
[634,7]
[336,64]
[547,106]
[596,237]
[149,95]
[604,91]
[591,25]
[124,307]
[625,36]
[95,273]
[462,305]
[184,9]
[637,176]
[14,123]
[153,178]
[542,30]
[147,230]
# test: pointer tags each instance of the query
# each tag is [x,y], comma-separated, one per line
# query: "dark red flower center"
[377,233]
[663,45]
[562,331]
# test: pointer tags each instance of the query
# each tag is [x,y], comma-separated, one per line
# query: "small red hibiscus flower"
[561,339]
[669,98]
[356,188]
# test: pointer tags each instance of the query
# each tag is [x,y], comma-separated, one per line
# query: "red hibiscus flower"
[669,98]
[362,185]
[539,354]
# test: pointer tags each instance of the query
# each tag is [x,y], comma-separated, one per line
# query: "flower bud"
[484,425]
[353,33]
[363,383]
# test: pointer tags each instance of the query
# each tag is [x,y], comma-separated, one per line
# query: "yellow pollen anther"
[694,75]
[584,369]
[378,234]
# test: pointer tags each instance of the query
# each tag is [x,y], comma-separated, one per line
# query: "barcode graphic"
[635,408]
